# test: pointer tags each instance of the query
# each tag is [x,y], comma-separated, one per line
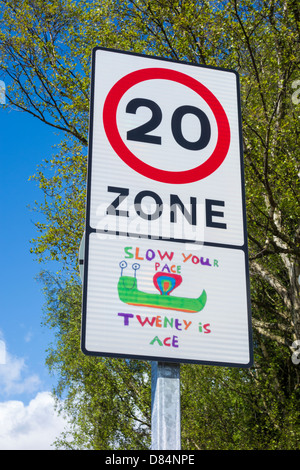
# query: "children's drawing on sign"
[165,284]
[166,277]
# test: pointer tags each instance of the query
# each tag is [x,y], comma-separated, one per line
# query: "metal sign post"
[165,406]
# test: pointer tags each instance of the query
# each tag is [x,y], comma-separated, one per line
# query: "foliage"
[45,48]
[108,399]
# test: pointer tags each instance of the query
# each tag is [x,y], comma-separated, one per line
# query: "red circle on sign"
[176,177]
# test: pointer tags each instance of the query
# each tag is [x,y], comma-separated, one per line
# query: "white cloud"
[2,352]
[14,377]
[25,427]
[31,427]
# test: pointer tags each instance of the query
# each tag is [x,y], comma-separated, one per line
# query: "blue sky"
[25,382]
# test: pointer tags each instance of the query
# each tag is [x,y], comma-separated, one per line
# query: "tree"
[108,400]
[46,59]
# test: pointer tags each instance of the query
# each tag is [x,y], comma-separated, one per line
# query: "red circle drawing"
[175,177]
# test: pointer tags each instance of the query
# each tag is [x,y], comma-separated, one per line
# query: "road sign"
[165,257]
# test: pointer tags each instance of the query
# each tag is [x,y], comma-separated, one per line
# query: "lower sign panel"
[149,299]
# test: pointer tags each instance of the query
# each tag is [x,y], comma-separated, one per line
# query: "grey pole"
[165,407]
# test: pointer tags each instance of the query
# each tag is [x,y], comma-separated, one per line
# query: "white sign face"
[165,213]
[167,301]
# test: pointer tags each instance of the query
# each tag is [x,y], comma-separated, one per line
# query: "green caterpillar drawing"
[165,282]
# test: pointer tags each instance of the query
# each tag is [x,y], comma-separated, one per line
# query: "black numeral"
[140,134]
[176,125]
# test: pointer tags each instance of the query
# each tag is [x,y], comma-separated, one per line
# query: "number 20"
[140,133]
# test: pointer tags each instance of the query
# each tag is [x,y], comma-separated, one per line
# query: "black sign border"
[89,229]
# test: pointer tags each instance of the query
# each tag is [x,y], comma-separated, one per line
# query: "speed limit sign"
[165,142]
[165,166]
[143,133]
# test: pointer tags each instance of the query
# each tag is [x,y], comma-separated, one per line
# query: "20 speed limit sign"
[165,211]
[143,133]
[165,146]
